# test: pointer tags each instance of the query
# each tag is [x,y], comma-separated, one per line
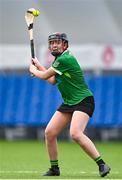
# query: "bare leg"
[55,126]
[78,125]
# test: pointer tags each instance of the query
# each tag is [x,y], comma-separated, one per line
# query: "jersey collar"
[65,51]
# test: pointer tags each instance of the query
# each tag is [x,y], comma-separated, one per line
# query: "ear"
[65,45]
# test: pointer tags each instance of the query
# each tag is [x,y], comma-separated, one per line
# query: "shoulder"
[66,56]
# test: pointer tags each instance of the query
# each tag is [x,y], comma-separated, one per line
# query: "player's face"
[57,46]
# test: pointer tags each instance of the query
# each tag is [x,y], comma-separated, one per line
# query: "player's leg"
[55,126]
[78,125]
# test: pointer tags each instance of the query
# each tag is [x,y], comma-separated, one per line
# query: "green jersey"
[70,79]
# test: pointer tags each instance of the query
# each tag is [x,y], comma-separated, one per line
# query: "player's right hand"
[36,62]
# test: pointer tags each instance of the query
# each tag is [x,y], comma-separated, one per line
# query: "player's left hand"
[33,69]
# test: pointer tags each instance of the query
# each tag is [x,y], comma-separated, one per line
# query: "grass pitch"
[29,160]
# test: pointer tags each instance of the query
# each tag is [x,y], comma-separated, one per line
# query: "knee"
[78,137]
[49,134]
[75,135]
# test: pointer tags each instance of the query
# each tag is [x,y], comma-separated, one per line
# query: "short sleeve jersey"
[70,79]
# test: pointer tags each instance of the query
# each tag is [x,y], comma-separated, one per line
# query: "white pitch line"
[63,179]
[36,172]
[28,171]
[19,172]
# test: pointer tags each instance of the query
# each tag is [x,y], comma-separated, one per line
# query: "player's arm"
[46,74]
[52,80]
[36,62]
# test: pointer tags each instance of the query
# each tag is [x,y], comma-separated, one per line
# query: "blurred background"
[94,29]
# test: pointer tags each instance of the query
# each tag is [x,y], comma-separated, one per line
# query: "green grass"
[29,160]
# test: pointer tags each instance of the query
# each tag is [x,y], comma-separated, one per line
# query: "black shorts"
[87,105]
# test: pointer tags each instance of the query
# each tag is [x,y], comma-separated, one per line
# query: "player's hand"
[33,69]
[35,62]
